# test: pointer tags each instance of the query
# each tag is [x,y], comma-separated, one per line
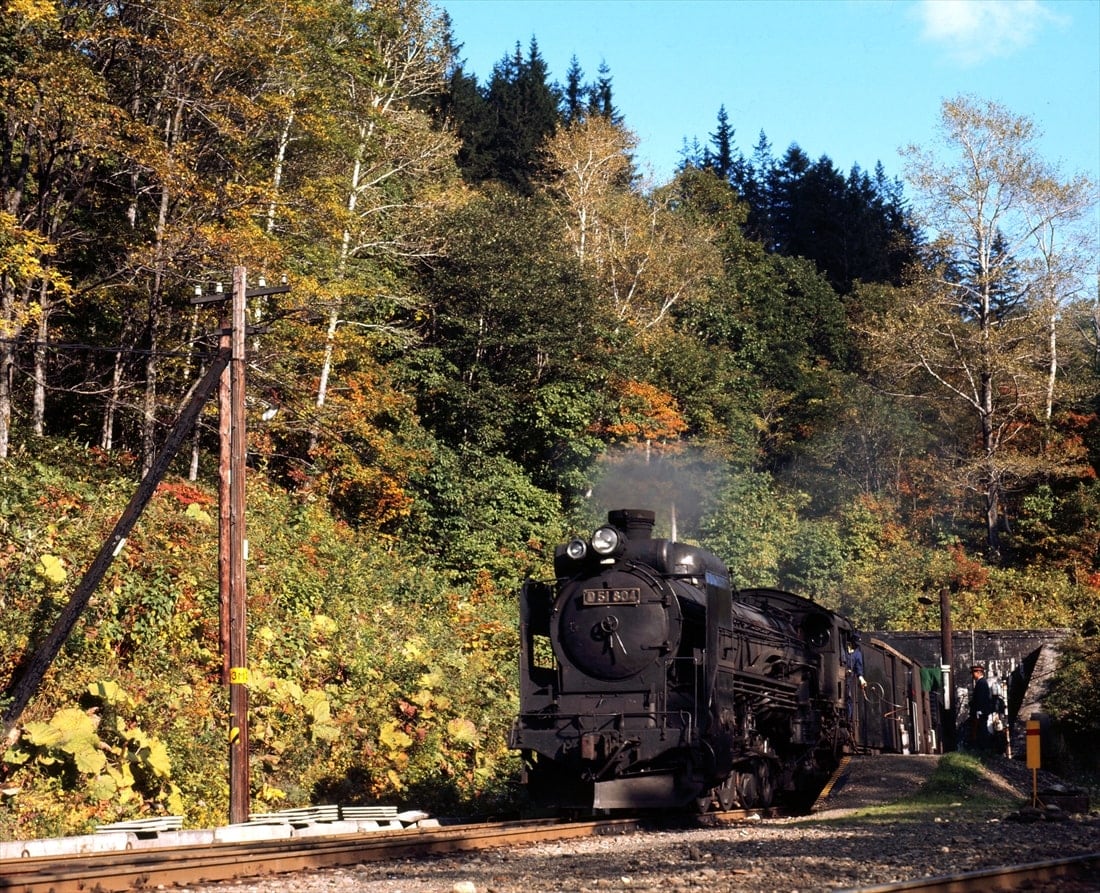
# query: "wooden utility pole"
[232,542]
[238,598]
[947,652]
[225,413]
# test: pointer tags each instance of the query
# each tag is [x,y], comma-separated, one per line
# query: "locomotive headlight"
[576,549]
[605,540]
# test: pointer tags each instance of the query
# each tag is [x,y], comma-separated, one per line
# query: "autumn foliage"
[495,329]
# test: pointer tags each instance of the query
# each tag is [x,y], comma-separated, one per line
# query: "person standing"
[855,684]
[981,705]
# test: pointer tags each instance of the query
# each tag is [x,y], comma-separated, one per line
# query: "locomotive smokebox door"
[612,628]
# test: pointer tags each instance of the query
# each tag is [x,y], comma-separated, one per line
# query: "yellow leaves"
[103,788]
[270,794]
[433,679]
[51,568]
[322,626]
[22,251]
[591,158]
[643,254]
[110,692]
[197,513]
[150,753]
[462,732]
[275,699]
[422,698]
[23,256]
[317,707]
[174,803]
[413,649]
[73,732]
[31,11]
[21,260]
[393,737]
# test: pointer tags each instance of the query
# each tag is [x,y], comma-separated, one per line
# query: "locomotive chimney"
[637,524]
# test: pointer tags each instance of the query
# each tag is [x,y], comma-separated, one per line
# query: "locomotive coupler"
[602,748]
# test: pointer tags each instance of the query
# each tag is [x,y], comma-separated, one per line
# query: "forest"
[861,386]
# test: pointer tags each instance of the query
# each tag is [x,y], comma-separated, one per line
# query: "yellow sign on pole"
[1033,744]
[1033,761]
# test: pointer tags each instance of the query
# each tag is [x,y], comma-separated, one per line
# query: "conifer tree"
[464,109]
[721,162]
[600,101]
[524,106]
[573,108]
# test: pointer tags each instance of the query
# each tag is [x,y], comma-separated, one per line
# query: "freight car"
[647,682]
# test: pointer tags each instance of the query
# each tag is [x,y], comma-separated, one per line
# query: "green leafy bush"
[374,676]
[98,758]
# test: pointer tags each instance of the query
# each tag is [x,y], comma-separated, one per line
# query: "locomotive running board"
[833,779]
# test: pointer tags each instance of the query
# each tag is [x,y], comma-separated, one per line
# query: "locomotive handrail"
[656,714]
[771,636]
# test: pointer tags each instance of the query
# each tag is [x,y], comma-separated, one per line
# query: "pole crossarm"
[258,292]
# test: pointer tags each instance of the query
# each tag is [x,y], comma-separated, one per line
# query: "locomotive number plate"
[632,596]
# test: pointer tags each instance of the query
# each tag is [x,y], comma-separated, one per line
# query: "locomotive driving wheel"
[747,791]
[704,802]
[765,782]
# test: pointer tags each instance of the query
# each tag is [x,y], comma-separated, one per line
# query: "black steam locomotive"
[646,682]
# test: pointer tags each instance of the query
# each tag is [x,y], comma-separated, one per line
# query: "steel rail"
[1006,877]
[149,866]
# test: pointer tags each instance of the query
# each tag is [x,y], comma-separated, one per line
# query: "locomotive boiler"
[647,682]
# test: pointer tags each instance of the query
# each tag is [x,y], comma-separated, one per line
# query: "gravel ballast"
[846,843]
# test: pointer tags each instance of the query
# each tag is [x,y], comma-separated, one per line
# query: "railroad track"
[147,867]
[1056,874]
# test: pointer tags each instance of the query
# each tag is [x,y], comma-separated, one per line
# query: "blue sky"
[851,79]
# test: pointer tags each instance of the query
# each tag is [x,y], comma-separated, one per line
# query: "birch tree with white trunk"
[978,328]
